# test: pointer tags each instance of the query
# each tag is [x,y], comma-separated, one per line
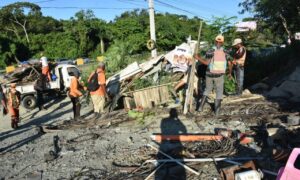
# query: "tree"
[282,16]
[13,15]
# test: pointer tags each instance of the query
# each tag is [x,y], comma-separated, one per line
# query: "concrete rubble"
[114,146]
[253,134]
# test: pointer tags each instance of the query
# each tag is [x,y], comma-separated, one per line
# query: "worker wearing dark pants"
[239,72]
[74,94]
[39,87]
[216,62]
[237,65]
[76,107]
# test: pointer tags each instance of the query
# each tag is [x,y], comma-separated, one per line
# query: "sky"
[109,9]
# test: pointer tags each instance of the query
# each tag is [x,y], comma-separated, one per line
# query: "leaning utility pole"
[152,27]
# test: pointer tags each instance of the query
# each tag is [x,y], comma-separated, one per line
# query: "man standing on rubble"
[216,60]
[74,94]
[238,64]
[45,67]
[97,88]
[13,103]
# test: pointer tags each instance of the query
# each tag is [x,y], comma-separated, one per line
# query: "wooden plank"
[154,94]
[189,95]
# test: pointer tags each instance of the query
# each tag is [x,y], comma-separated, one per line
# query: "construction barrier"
[10,69]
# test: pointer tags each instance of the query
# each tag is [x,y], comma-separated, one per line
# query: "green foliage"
[280,16]
[229,85]
[142,83]
[117,56]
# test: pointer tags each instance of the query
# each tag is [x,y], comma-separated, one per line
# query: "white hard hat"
[237,41]
[44,58]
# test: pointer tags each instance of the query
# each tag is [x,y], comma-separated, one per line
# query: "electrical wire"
[103,8]
[180,9]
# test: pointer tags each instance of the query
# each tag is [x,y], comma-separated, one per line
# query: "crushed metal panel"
[146,66]
[130,70]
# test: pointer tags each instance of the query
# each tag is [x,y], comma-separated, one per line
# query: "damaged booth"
[160,75]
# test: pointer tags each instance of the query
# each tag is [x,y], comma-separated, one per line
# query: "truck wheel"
[29,102]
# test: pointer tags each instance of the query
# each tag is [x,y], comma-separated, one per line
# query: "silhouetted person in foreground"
[171,171]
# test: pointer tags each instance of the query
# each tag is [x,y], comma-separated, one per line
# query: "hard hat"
[44,58]
[220,38]
[101,65]
[237,41]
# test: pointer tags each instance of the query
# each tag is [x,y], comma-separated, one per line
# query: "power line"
[180,9]
[70,7]
[37,2]
[132,2]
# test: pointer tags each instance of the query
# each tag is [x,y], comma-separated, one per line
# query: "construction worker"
[74,94]
[39,87]
[97,84]
[216,60]
[3,100]
[237,64]
[45,67]
[13,103]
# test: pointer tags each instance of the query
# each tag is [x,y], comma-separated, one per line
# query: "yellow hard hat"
[220,38]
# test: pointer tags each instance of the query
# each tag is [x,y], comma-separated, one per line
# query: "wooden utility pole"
[152,26]
[188,104]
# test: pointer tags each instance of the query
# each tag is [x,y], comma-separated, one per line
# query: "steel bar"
[178,162]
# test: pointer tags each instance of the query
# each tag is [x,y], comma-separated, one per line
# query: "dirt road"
[101,149]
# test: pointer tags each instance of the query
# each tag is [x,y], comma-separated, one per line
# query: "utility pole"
[152,26]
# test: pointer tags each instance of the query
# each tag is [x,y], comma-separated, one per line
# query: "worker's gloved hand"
[229,76]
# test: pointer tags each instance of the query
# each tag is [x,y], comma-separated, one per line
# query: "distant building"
[246,26]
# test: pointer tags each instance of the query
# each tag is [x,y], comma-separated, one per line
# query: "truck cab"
[60,84]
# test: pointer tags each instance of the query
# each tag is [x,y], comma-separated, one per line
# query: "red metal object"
[186,138]
[229,172]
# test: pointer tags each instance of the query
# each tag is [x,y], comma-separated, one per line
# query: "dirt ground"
[115,146]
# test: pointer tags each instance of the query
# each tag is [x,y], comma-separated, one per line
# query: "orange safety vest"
[218,62]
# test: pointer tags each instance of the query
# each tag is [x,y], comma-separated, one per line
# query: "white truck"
[61,84]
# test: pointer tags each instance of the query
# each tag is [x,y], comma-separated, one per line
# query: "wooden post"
[188,104]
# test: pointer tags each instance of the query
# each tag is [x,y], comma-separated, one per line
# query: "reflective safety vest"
[217,64]
[241,61]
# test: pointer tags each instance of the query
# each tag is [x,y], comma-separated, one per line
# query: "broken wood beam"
[244,99]
[186,138]
[188,103]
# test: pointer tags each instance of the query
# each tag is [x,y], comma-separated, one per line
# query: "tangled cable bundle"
[225,147]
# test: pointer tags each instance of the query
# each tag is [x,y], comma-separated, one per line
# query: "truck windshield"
[72,71]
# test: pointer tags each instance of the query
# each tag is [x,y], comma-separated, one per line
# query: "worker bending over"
[216,62]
